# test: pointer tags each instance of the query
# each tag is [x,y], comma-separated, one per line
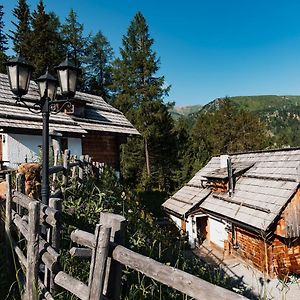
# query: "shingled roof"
[99,115]
[268,181]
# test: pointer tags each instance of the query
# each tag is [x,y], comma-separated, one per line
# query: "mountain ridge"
[281,113]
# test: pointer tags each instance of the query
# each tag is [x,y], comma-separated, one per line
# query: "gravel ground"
[264,288]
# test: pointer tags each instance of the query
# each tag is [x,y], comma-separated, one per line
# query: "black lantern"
[67,76]
[19,77]
[47,86]
[19,72]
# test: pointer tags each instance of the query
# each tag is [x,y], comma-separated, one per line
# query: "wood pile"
[31,171]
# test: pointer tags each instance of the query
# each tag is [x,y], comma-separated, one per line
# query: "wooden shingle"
[100,116]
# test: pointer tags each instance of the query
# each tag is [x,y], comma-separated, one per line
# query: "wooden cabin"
[247,205]
[91,126]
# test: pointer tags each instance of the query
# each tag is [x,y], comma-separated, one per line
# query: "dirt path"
[250,277]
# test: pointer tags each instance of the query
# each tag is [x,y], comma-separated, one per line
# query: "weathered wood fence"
[74,168]
[39,255]
[27,226]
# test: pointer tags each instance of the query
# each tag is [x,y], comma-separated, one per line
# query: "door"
[201,225]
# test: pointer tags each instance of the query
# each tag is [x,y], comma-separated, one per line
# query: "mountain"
[281,114]
[179,111]
[258,103]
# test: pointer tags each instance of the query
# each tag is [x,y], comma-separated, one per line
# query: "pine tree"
[46,44]
[21,35]
[185,154]
[134,72]
[74,40]
[139,95]
[3,43]
[75,45]
[98,66]
[225,131]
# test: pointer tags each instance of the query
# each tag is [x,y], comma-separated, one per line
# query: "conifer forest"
[153,166]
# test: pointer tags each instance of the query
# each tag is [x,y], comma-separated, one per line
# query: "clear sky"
[208,48]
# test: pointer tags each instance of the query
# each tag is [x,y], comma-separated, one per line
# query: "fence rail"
[175,278]
[105,248]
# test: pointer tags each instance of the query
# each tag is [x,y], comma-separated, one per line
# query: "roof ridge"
[264,151]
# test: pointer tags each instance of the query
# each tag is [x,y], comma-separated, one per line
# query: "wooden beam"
[177,279]
[8,222]
[80,252]
[56,169]
[48,255]
[83,238]
[66,161]
[44,291]
[98,264]
[32,251]
[112,284]
[47,214]
[72,285]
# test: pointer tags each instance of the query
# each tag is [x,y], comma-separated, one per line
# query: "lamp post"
[19,73]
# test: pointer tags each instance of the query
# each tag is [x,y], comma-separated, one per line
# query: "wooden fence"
[39,255]
[74,168]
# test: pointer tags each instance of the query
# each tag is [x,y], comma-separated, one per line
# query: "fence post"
[55,163]
[32,251]
[74,168]
[66,166]
[98,264]
[20,183]
[112,284]
[53,238]
[80,168]
[8,221]
[20,187]
[56,203]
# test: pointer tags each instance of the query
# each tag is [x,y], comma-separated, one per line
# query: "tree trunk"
[147,157]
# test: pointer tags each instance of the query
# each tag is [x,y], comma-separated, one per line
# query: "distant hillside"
[281,113]
[258,103]
[179,111]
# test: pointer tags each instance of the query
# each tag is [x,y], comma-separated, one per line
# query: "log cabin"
[246,205]
[91,126]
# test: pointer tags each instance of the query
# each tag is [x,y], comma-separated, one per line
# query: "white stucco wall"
[191,231]
[15,148]
[74,145]
[176,220]
[217,232]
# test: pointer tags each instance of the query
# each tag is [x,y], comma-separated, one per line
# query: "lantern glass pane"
[72,80]
[42,87]
[24,75]
[63,80]
[51,90]
[12,72]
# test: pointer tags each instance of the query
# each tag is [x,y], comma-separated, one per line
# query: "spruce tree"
[46,43]
[98,66]
[75,44]
[21,35]
[139,95]
[134,72]
[185,154]
[225,131]
[3,43]
[74,40]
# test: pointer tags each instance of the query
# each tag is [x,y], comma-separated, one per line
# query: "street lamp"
[67,76]
[19,72]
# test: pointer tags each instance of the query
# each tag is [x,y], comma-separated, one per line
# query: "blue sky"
[208,48]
